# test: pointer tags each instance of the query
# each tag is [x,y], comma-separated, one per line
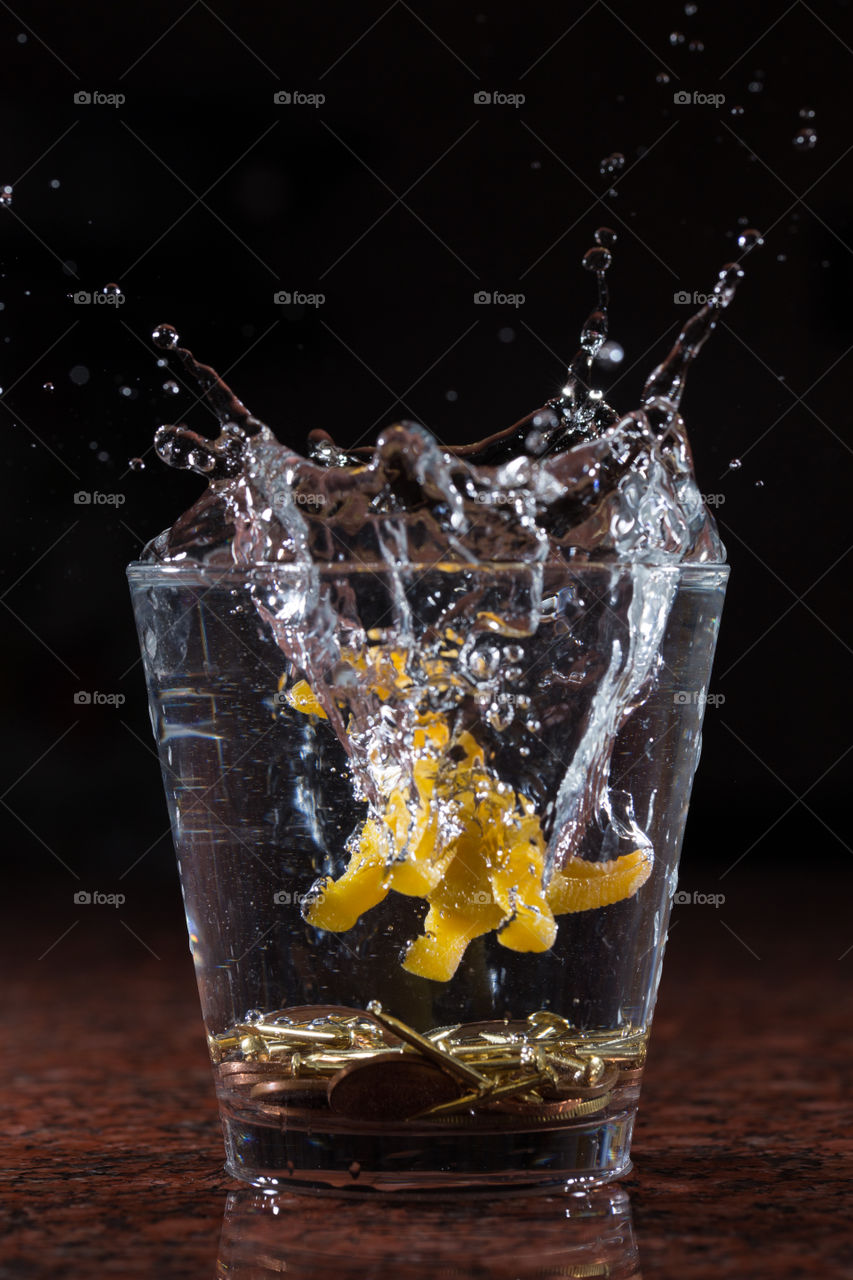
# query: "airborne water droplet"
[735,464]
[171,388]
[662,77]
[606,236]
[690,9]
[750,239]
[136,464]
[112,290]
[613,163]
[47,386]
[676,37]
[696,46]
[736,111]
[6,195]
[165,336]
[805,139]
[597,259]
[806,113]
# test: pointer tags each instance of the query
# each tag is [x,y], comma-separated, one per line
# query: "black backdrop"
[398,197]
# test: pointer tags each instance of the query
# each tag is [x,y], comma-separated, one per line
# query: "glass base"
[584,1154]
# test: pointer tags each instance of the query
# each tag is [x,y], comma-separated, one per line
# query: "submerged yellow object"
[481,867]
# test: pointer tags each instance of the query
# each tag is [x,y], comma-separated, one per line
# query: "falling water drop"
[735,464]
[136,464]
[805,139]
[165,336]
[613,163]
[606,237]
[6,195]
[806,113]
[676,37]
[597,259]
[47,386]
[171,388]
[736,111]
[750,239]
[696,46]
[662,77]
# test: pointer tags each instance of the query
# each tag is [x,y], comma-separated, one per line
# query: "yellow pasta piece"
[585,886]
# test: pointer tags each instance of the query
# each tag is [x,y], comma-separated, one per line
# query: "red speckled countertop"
[113,1158]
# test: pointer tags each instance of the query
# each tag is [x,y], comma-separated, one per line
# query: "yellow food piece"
[482,868]
[302,697]
[584,886]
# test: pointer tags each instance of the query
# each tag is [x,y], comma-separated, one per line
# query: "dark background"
[397,199]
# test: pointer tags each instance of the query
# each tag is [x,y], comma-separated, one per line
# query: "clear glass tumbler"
[428,822]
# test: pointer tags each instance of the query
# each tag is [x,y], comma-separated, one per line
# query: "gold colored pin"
[522,1084]
[443,1058]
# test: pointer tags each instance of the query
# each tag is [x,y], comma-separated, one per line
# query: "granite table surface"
[742,1153]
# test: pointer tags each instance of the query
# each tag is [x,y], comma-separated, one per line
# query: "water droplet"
[781,257]
[759,484]
[355,1169]
[22,37]
[805,140]
[696,46]
[451,395]
[47,386]
[750,239]
[506,335]
[54,182]
[125,391]
[662,77]
[611,353]
[112,290]
[806,113]
[171,388]
[484,662]
[136,464]
[606,236]
[613,163]
[533,726]
[165,336]
[735,464]
[513,653]
[676,37]
[690,9]
[79,375]
[736,111]
[597,259]
[536,164]
[755,86]
[6,195]
[103,456]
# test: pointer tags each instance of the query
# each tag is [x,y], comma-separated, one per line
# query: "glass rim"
[163,571]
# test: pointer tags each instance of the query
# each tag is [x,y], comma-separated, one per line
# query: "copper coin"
[390,1087]
[269,1090]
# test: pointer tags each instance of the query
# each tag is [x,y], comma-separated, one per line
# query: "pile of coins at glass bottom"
[368,1066]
